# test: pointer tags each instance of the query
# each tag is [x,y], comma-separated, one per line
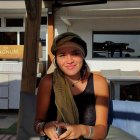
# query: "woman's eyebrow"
[76,50]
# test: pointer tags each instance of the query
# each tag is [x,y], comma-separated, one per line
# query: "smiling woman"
[66,89]
[72,102]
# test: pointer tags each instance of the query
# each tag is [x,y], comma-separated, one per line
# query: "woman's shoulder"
[46,79]
[47,76]
[98,75]
[100,84]
[99,78]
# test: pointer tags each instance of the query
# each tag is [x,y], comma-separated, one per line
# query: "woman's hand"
[50,130]
[72,131]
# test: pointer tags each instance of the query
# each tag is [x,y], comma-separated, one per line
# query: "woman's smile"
[70,67]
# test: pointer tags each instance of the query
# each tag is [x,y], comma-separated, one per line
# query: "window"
[116,44]
[43,38]
[21,38]
[43,20]
[8,38]
[14,22]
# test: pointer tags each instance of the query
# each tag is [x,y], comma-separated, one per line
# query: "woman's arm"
[43,97]
[43,101]
[102,99]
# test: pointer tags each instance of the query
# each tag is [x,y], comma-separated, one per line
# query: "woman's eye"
[61,55]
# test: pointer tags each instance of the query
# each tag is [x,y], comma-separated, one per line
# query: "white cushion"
[114,72]
[130,73]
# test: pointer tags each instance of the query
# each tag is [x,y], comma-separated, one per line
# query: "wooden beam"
[66,3]
[31,43]
[31,8]
[50,36]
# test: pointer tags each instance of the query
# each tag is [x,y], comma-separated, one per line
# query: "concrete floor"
[6,120]
[7,137]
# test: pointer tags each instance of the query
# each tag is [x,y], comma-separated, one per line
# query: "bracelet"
[39,127]
[91,131]
[44,128]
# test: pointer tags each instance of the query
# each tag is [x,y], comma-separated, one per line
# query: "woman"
[72,98]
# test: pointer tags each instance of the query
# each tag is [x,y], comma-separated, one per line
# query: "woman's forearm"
[94,132]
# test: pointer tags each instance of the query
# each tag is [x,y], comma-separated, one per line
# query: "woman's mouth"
[70,67]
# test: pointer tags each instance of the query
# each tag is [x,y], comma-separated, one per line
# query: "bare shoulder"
[100,84]
[44,88]
[99,78]
[46,80]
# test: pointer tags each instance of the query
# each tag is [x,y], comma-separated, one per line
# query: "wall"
[10,83]
[84,28]
[124,65]
[10,80]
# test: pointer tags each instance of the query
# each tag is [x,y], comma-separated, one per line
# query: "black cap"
[69,36]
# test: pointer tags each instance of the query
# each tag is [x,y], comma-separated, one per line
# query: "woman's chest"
[85,103]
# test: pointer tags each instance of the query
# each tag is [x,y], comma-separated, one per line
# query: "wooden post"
[32,34]
[50,35]
[25,130]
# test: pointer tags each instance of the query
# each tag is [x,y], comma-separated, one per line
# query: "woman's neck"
[73,80]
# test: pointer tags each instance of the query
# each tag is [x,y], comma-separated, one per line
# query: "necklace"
[73,84]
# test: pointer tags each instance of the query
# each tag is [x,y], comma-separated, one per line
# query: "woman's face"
[69,58]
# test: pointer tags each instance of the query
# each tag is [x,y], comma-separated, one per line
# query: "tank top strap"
[90,85]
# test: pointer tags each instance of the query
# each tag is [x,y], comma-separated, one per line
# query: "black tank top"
[85,102]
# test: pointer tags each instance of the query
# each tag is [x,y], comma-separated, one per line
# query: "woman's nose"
[69,59]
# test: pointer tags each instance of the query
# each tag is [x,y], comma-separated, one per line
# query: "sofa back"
[125,115]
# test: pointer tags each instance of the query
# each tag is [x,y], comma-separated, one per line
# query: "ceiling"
[111,9]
